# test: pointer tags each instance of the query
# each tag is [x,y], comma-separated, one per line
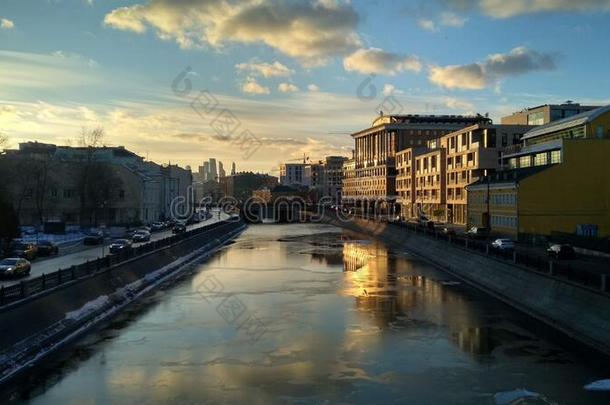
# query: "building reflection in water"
[395,295]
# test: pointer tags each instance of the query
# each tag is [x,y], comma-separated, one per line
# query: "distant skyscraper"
[221,170]
[233,171]
[206,171]
[213,170]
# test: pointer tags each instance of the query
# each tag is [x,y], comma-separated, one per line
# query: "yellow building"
[570,196]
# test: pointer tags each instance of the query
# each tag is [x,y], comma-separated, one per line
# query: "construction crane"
[305,159]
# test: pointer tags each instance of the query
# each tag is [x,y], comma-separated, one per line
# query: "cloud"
[6,24]
[313,87]
[75,56]
[446,19]
[308,30]
[275,69]
[287,88]
[378,61]
[449,19]
[476,76]
[251,86]
[390,89]
[456,104]
[426,24]
[506,9]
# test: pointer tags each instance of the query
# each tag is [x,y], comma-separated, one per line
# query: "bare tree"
[90,139]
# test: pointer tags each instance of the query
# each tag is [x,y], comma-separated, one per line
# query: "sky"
[260,82]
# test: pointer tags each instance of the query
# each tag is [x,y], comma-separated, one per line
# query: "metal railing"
[562,271]
[33,286]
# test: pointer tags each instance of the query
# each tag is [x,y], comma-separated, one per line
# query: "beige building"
[432,181]
[373,185]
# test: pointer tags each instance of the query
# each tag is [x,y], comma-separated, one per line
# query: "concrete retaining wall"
[35,315]
[579,312]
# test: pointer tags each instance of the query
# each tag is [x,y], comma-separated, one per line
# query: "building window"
[555,156]
[536,118]
[525,161]
[541,159]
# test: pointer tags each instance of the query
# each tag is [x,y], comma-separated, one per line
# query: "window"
[555,156]
[540,159]
[525,161]
[536,118]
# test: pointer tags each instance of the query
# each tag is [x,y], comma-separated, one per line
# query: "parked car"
[119,245]
[15,267]
[47,248]
[23,250]
[179,228]
[560,251]
[448,231]
[157,226]
[503,244]
[141,236]
[478,233]
[94,238]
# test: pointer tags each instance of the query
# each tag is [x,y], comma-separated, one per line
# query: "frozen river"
[311,314]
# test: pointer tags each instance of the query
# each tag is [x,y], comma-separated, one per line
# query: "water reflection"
[348,322]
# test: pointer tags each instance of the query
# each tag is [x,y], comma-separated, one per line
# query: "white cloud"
[390,89]
[449,19]
[426,24]
[313,87]
[6,24]
[251,86]
[507,9]
[378,61]
[445,19]
[287,88]
[476,76]
[275,69]
[309,30]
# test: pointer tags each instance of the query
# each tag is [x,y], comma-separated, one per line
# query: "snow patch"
[90,307]
[599,385]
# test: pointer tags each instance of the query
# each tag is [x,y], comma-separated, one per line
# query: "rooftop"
[566,123]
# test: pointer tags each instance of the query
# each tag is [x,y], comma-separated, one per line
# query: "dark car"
[119,245]
[141,236]
[157,226]
[478,232]
[15,267]
[559,251]
[179,228]
[47,248]
[94,238]
[23,250]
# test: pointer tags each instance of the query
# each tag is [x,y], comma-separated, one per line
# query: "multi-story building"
[405,181]
[349,190]
[554,182]
[376,147]
[221,170]
[241,185]
[293,174]
[472,153]
[333,177]
[431,180]
[82,185]
[544,114]
[213,173]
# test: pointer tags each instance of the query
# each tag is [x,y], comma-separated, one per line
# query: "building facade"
[373,186]
[293,174]
[544,114]
[241,185]
[89,186]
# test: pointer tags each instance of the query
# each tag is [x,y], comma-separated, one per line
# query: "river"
[309,313]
